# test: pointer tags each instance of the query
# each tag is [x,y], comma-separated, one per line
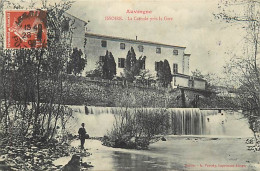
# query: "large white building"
[95,46]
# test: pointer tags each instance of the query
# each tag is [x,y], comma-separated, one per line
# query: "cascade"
[183,121]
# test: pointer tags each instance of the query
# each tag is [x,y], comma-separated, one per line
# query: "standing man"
[82,135]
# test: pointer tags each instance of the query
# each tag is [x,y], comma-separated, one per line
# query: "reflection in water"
[173,154]
[129,161]
[107,158]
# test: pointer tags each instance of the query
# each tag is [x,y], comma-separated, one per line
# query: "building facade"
[94,47]
[97,45]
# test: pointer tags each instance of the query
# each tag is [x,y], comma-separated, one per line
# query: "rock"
[18,159]
[163,139]
[48,161]
[59,166]
[15,169]
[70,136]
[53,167]
[7,147]
[73,164]
[34,148]
[2,161]
[19,150]
[86,165]
[11,154]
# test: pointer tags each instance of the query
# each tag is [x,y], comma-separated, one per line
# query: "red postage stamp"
[25,29]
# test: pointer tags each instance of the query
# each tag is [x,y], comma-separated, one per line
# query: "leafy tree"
[197,73]
[212,79]
[76,62]
[132,65]
[109,66]
[36,77]
[130,59]
[106,68]
[164,75]
[243,71]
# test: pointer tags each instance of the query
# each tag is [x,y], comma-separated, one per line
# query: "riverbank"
[177,153]
[30,156]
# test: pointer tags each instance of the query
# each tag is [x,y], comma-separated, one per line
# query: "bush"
[134,128]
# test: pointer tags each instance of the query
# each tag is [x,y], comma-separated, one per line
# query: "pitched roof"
[131,40]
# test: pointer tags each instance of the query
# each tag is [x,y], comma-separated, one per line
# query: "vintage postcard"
[129,85]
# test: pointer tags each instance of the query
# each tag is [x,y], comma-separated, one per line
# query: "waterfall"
[183,121]
[187,121]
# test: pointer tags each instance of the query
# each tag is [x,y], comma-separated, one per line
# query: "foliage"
[164,75]
[133,67]
[134,128]
[212,79]
[243,70]
[144,78]
[106,67]
[76,63]
[82,90]
[197,73]
[32,81]
[109,66]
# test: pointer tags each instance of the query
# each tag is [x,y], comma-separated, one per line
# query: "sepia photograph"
[114,85]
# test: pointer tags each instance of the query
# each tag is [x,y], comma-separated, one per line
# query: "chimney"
[135,37]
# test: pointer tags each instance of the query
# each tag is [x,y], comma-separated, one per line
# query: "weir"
[183,121]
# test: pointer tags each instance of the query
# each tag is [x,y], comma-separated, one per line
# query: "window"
[104,43]
[158,50]
[143,64]
[157,65]
[141,48]
[121,62]
[191,83]
[175,52]
[122,46]
[175,68]
[101,58]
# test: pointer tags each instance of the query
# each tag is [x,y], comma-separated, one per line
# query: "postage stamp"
[25,29]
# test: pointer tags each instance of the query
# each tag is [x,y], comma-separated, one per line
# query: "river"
[220,147]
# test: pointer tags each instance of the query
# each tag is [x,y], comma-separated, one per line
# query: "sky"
[192,25]
[210,42]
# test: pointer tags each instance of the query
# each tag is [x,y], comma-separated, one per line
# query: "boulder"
[163,139]
[73,164]
[86,165]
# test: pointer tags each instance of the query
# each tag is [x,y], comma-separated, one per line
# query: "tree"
[164,75]
[106,67]
[243,70]
[132,65]
[197,73]
[33,80]
[212,79]
[130,59]
[109,66]
[76,62]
